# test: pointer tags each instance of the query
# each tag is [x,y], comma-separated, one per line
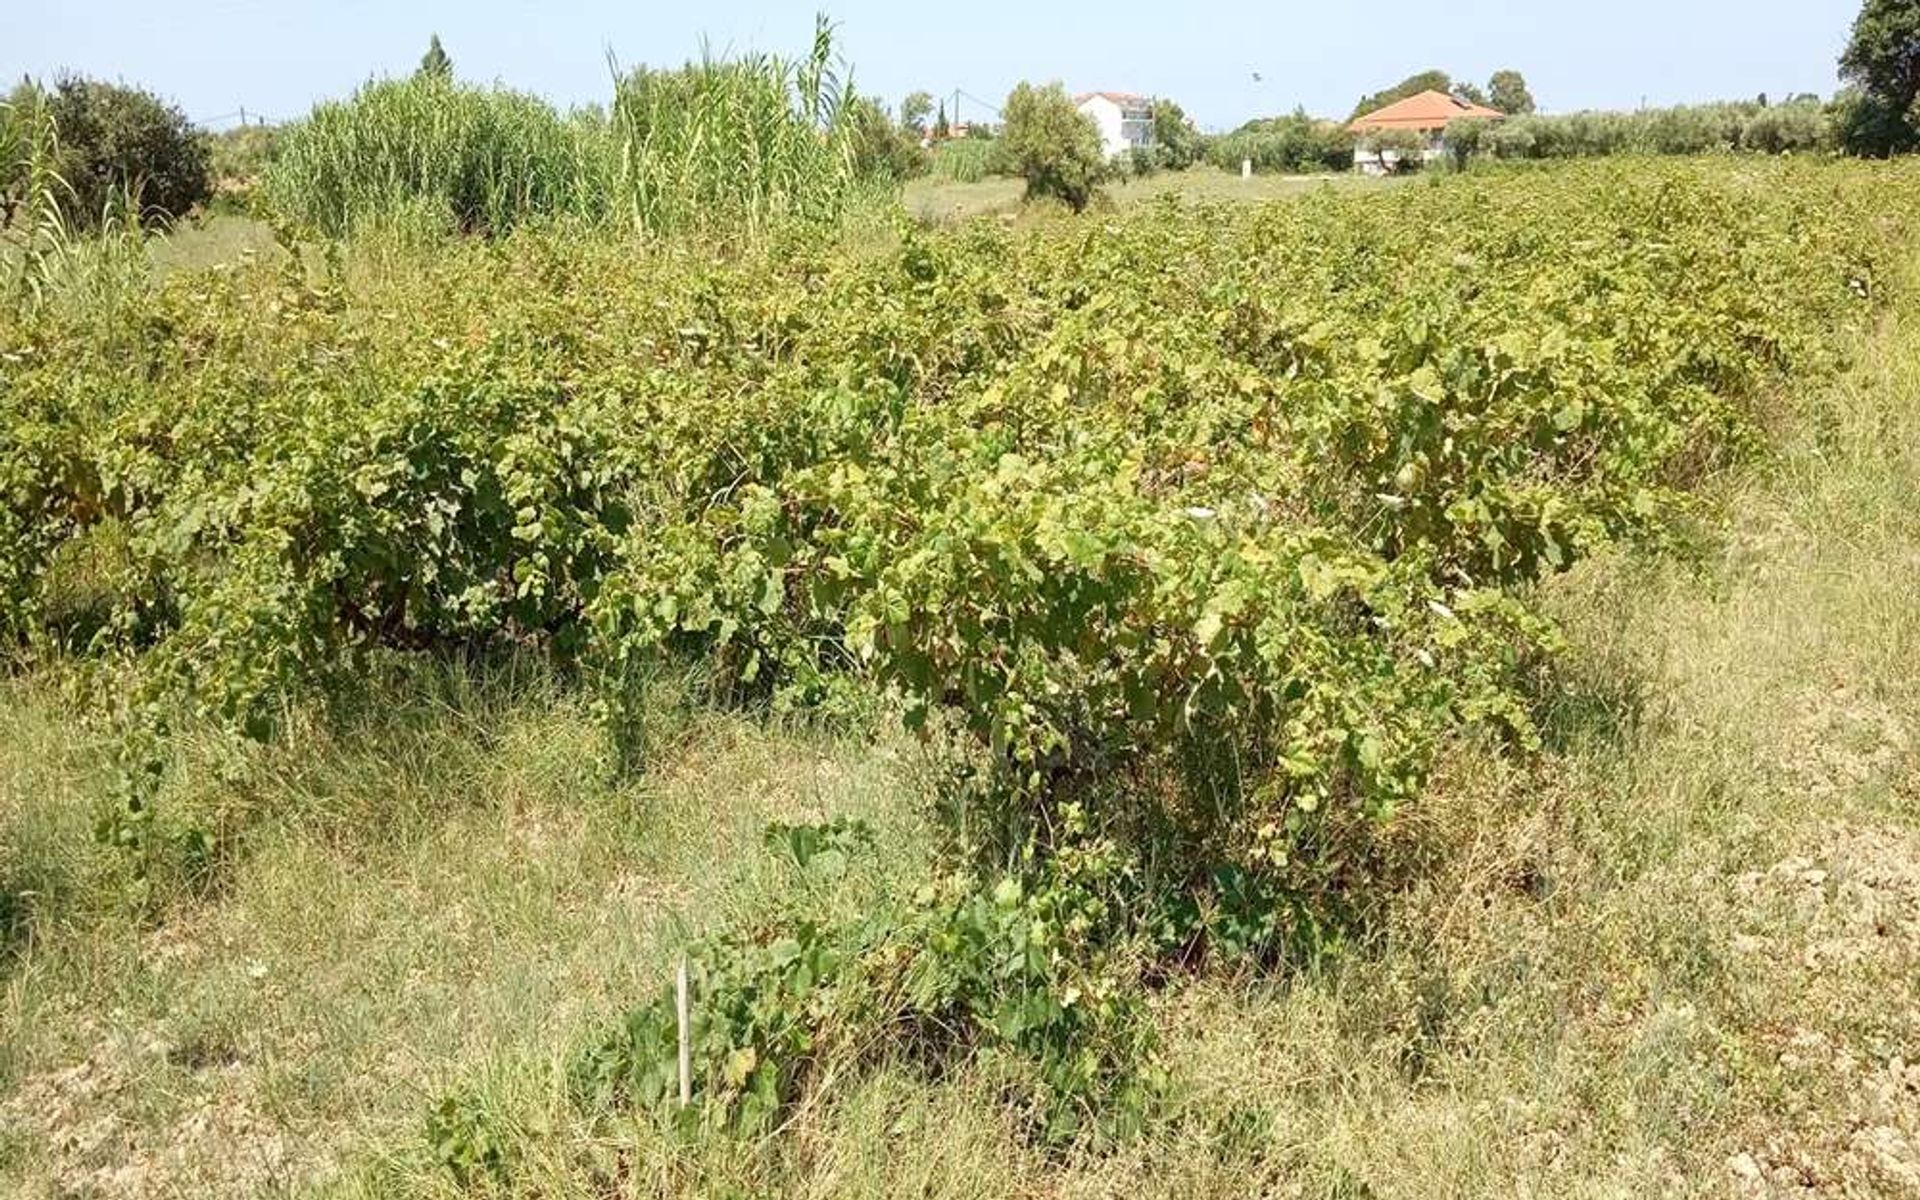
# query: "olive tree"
[1398,151]
[1051,144]
[1467,137]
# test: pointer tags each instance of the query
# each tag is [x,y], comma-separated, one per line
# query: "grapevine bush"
[1205,525]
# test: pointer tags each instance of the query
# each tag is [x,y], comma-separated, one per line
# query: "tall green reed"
[90,272]
[724,143]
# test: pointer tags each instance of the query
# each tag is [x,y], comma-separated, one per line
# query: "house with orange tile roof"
[1427,114]
[1125,121]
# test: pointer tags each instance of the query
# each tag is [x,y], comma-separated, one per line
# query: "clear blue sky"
[278,56]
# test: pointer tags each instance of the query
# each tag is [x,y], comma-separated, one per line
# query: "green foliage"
[435,61]
[1188,539]
[1397,151]
[1508,92]
[1292,145]
[1799,127]
[915,110]
[1468,91]
[1469,137]
[881,149]
[967,160]
[1868,127]
[1509,139]
[32,194]
[722,145]
[474,159]
[1883,56]
[745,142]
[1036,977]
[1026,481]
[1412,85]
[1051,144]
[941,129]
[113,142]
[1792,128]
[47,256]
[1177,141]
[241,155]
[467,1140]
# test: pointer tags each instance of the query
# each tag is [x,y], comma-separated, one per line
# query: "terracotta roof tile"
[1426,111]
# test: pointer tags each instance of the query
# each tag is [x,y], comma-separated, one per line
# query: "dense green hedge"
[1296,144]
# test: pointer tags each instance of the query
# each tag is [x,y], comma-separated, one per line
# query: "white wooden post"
[1246,168]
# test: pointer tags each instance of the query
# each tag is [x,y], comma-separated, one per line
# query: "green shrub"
[1038,975]
[1052,145]
[1511,139]
[882,149]
[1295,144]
[464,1136]
[1139,162]
[1794,128]
[118,143]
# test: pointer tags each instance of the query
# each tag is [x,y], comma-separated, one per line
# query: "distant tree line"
[1295,144]
[112,144]
[1801,126]
[1506,91]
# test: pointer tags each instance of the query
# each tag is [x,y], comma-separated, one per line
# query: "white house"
[1125,121]
[1426,116]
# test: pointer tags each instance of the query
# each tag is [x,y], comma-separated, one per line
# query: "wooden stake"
[686,1034]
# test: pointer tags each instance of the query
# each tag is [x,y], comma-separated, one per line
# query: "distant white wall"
[1122,128]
